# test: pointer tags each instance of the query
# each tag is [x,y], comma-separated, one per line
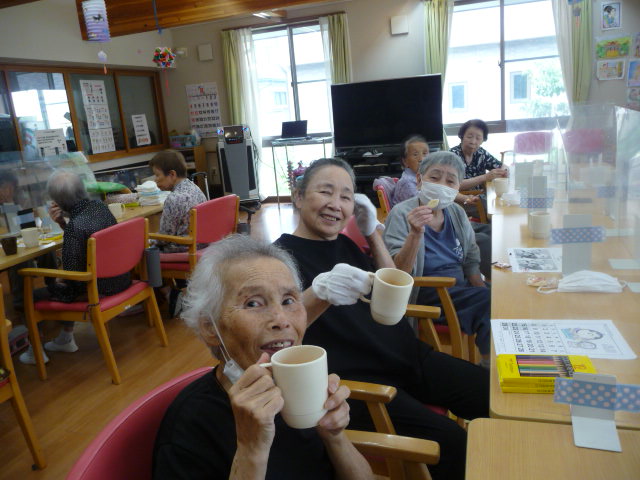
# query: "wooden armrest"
[434,281]
[395,446]
[423,311]
[171,238]
[54,273]
[471,192]
[370,392]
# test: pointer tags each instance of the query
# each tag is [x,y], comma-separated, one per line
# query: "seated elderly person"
[438,241]
[244,301]
[70,199]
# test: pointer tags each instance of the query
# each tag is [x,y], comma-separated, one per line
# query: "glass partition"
[137,96]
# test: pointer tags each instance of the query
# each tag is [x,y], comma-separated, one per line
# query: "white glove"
[343,285]
[366,215]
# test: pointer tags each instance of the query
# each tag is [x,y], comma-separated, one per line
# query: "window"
[58,98]
[458,96]
[519,86]
[292,82]
[498,42]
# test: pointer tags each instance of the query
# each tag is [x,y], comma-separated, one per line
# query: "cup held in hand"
[389,295]
[301,374]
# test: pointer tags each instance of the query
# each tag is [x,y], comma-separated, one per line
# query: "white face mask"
[231,369]
[430,191]
[588,281]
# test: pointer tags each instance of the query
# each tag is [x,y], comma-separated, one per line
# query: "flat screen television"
[385,112]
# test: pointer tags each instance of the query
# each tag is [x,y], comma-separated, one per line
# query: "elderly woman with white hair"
[244,301]
[438,241]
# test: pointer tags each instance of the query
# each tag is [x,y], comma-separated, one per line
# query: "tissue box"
[182,141]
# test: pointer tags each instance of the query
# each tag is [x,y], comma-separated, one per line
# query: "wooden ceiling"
[13,3]
[135,16]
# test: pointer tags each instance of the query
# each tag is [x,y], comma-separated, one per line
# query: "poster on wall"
[141,129]
[610,70]
[615,47]
[96,108]
[204,108]
[635,51]
[611,15]
[633,78]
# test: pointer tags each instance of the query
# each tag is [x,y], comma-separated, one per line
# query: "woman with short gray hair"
[244,301]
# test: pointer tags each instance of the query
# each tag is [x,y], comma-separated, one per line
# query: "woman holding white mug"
[244,301]
[335,275]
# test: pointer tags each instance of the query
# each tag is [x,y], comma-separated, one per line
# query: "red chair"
[10,390]
[124,448]
[110,252]
[208,222]
[384,187]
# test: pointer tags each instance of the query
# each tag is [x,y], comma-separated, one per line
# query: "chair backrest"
[583,140]
[532,143]
[124,448]
[352,231]
[217,218]
[385,186]
[120,247]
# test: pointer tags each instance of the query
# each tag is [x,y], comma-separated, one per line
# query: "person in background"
[335,273]
[170,170]
[439,242]
[244,301]
[70,199]
[414,149]
[480,165]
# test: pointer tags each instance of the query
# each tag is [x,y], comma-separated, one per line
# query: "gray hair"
[202,304]
[66,189]
[442,158]
[316,165]
[404,149]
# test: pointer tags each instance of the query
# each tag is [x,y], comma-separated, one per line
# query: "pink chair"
[531,143]
[584,141]
[124,448]
[208,222]
[110,252]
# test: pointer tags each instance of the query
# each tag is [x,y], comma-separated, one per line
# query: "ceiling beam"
[136,16]
[13,3]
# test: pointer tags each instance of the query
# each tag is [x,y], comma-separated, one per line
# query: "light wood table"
[511,298]
[152,212]
[506,449]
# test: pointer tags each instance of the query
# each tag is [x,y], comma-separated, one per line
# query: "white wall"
[613,91]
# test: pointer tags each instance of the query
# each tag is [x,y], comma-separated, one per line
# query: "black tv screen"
[385,112]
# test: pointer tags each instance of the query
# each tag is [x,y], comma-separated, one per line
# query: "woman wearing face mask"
[439,241]
[244,301]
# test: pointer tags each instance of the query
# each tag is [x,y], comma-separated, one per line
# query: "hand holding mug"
[389,295]
[343,285]
[337,417]
[255,401]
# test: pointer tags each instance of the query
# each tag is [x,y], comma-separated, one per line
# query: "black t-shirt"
[358,348]
[197,439]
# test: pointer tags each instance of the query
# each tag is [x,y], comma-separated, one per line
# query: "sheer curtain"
[437,24]
[241,80]
[573,33]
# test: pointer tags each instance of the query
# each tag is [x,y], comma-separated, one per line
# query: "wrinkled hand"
[497,173]
[55,212]
[337,417]
[419,217]
[366,215]
[471,199]
[255,401]
[343,285]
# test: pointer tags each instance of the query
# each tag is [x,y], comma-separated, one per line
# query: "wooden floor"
[78,400]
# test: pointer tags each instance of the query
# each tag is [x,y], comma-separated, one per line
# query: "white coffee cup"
[540,224]
[500,186]
[30,237]
[301,374]
[117,209]
[389,295]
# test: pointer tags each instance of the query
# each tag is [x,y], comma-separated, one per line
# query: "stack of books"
[537,373]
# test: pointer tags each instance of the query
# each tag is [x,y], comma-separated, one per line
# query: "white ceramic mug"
[500,186]
[301,374]
[30,237]
[389,295]
[540,224]
[117,209]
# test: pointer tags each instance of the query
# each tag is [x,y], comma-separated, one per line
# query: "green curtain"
[582,55]
[230,55]
[437,23]
[340,52]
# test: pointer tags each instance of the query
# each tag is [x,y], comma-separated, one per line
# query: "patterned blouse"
[175,213]
[407,187]
[481,162]
[85,218]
